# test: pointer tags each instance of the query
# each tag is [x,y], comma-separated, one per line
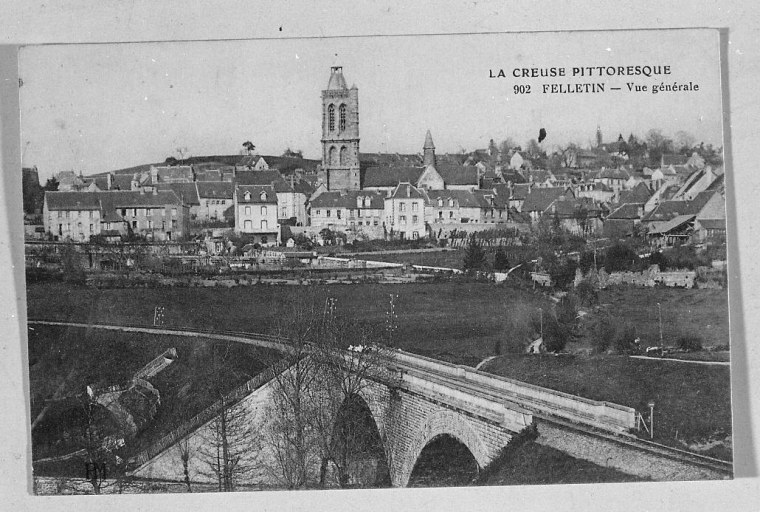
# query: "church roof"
[391,176]
[458,174]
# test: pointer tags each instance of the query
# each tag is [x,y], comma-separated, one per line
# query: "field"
[696,312]
[458,320]
[692,402]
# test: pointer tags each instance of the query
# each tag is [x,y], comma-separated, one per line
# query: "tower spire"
[428,150]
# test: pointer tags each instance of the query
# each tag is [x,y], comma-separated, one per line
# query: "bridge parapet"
[603,415]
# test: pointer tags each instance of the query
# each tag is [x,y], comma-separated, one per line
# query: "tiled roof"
[638,194]
[627,211]
[257,177]
[256,194]
[175,172]
[571,207]
[538,199]
[391,176]
[671,224]
[215,189]
[348,199]
[72,200]
[461,198]
[458,174]
[187,192]
[121,182]
[667,210]
[407,191]
[615,174]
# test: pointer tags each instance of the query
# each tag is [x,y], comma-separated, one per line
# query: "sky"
[95,108]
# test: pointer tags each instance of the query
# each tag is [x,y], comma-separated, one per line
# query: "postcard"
[367,262]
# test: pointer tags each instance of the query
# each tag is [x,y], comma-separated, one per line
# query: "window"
[415,235]
[328,212]
[134,224]
[451,215]
[451,202]
[415,219]
[402,207]
[247,225]
[174,224]
[440,215]
[337,213]
[263,211]
[343,156]
[247,210]
[331,118]
[263,224]
[60,214]
[342,117]
[134,212]
[440,202]
[150,224]
[247,196]
[163,224]
[92,228]
[317,212]
[67,214]
[402,219]
[375,222]
[263,196]
[91,213]
[415,206]
[174,212]
[163,213]
[123,212]
[358,213]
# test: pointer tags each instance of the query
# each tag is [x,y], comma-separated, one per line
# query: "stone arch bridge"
[420,399]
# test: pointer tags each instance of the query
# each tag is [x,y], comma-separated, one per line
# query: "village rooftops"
[638,194]
[257,177]
[458,174]
[391,176]
[539,199]
[406,191]
[256,194]
[627,211]
[187,192]
[215,189]
[667,210]
[349,199]
[115,198]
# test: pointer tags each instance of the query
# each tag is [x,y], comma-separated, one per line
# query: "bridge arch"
[359,442]
[439,423]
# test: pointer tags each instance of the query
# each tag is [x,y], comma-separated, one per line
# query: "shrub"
[625,339]
[689,343]
[587,293]
[474,256]
[604,333]
[500,260]
[620,257]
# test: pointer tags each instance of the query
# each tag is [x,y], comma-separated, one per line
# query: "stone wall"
[650,277]
[625,457]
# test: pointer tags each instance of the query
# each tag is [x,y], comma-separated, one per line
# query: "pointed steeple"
[428,150]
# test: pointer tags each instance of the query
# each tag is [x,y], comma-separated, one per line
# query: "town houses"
[599,191]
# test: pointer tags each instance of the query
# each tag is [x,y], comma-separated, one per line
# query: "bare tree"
[231,448]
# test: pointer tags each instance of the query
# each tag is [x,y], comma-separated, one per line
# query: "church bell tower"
[340,133]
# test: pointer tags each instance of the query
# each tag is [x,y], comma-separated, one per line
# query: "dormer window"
[451,203]
[247,196]
[263,196]
[440,202]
